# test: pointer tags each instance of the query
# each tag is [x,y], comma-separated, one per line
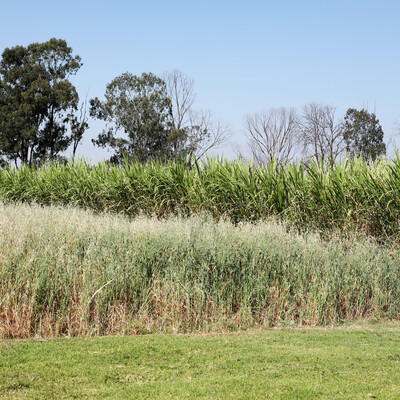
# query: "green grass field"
[354,362]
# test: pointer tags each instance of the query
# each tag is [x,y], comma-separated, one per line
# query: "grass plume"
[65,271]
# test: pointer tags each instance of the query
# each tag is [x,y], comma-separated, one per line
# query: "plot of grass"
[351,196]
[68,272]
[317,363]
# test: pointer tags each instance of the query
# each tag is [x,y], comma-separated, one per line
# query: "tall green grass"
[348,196]
[66,271]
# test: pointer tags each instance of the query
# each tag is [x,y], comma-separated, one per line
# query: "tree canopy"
[363,134]
[35,99]
[155,117]
[140,107]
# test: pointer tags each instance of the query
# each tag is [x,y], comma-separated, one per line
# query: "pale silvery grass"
[65,271]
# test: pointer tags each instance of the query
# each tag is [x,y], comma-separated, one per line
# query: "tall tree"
[35,99]
[272,135]
[155,117]
[140,107]
[321,133]
[363,134]
[196,132]
[21,104]
[61,96]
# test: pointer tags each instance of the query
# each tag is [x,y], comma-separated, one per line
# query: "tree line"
[316,132]
[41,116]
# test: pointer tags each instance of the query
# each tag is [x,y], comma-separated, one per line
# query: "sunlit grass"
[65,271]
[351,196]
[358,363]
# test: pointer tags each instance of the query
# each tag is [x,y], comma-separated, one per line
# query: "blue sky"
[244,56]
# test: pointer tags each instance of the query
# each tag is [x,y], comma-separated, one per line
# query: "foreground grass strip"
[333,363]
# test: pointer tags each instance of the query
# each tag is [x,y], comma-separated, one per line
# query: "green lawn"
[357,362]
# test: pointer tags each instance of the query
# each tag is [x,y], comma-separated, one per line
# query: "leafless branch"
[320,133]
[272,135]
[199,131]
[207,133]
[79,126]
[180,90]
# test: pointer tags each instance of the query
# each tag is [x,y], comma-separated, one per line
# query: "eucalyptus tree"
[22,108]
[148,117]
[36,99]
[363,134]
[140,108]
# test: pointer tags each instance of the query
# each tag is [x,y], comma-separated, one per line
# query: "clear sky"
[244,56]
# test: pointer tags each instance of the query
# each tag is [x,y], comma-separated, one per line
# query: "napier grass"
[65,271]
[352,196]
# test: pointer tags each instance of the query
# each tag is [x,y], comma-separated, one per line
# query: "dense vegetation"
[351,196]
[200,250]
[67,271]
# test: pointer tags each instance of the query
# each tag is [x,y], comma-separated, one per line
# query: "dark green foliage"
[21,105]
[35,97]
[363,134]
[139,107]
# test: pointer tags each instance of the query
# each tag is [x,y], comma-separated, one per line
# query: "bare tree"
[397,126]
[321,134]
[195,131]
[272,135]
[180,90]
[79,125]
[206,133]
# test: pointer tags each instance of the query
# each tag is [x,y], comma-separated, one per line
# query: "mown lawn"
[353,362]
